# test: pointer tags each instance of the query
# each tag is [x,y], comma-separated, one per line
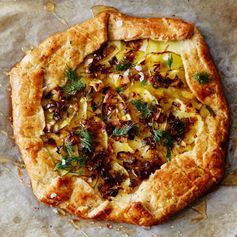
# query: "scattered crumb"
[61,212]
[146,227]
[19,164]
[109,226]
[75,223]
[55,210]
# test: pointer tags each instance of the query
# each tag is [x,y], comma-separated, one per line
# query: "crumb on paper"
[109,226]
[61,212]
[19,164]
[55,210]
[75,223]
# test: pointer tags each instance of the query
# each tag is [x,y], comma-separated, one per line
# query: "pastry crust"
[170,188]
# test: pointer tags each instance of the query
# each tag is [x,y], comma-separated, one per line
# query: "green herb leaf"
[144,82]
[123,66]
[73,87]
[164,138]
[85,139]
[71,74]
[69,149]
[94,106]
[74,83]
[119,89]
[168,151]
[124,130]
[170,61]
[202,77]
[143,108]
[68,163]
[158,135]
[102,116]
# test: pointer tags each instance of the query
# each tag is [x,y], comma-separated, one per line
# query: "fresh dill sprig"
[119,89]
[71,74]
[73,87]
[123,130]
[170,61]
[144,82]
[143,108]
[68,163]
[69,149]
[164,138]
[123,66]
[86,139]
[74,83]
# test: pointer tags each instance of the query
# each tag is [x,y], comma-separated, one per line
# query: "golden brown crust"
[122,27]
[169,189]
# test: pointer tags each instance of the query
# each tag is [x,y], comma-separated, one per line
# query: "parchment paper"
[23,24]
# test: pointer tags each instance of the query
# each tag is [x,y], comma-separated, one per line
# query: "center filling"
[121,114]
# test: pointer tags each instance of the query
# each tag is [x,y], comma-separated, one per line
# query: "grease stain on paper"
[51,7]
[201,209]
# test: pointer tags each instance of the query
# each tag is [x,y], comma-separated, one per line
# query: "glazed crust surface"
[169,189]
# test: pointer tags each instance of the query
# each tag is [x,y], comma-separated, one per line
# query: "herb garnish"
[123,65]
[69,149]
[94,106]
[170,61]
[143,108]
[202,77]
[119,89]
[85,139]
[74,83]
[164,138]
[71,74]
[123,130]
[68,163]
[144,82]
